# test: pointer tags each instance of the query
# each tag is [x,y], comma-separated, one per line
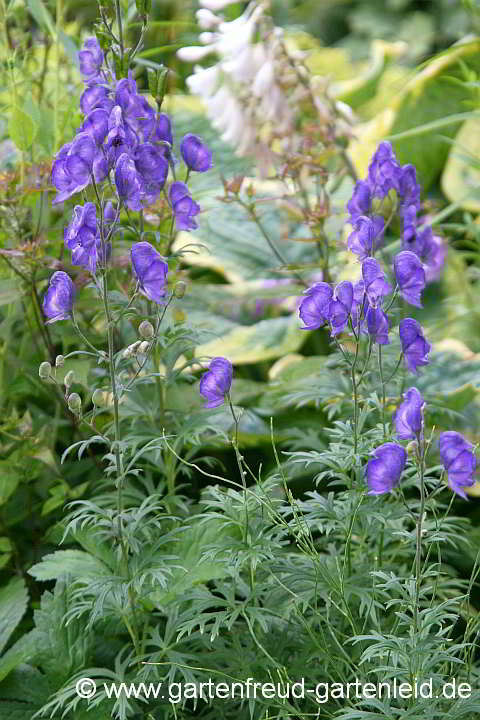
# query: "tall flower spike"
[375,282]
[384,470]
[150,269]
[314,309]
[59,298]
[216,382]
[410,276]
[459,460]
[408,417]
[414,345]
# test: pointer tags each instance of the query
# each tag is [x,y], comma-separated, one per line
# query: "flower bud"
[143,347]
[74,403]
[69,378]
[59,361]
[98,398]
[145,329]
[180,289]
[44,370]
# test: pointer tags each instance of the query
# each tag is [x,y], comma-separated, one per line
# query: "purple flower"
[314,309]
[216,382]
[340,307]
[150,269]
[183,206]
[377,325]
[109,213]
[408,416]
[359,303]
[360,202]
[195,153]
[410,276]
[152,166]
[73,166]
[81,236]
[96,125]
[366,231]
[459,461]
[128,182]
[96,96]
[59,298]
[375,282]
[414,345]
[162,131]
[91,59]
[384,172]
[432,251]
[384,470]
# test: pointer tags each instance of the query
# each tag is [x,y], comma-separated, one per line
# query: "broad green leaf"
[13,603]
[22,129]
[6,550]
[266,340]
[23,650]
[461,175]
[9,480]
[68,562]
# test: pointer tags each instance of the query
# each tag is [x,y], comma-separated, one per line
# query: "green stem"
[241,469]
[118,13]
[380,368]
[418,550]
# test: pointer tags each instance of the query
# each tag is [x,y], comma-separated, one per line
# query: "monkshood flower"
[96,97]
[377,325]
[80,236]
[366,235]
[216,382]
[431,249]
[195,153]
[183,206]
[360,202]
[374,281]
[91,59]
[162,130]
[410,276]
[359,303]
[384,470]
[340,307]
[314,309]
[408,417]
[74,165]
[415,347]
[150,269]
[153,168]
[129,183]
[458,458]
[59,298]
[384,172]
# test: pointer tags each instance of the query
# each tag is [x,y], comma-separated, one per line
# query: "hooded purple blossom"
[458,458]
[162,130]
[96,125]
[59,298]
[377,325]
[216,382]
[366,235]
[183,206]
[408,417]
[314,308]
[385,468]
[384,172]
[414,345]
[129,183]
[81,236]
[153,167]
[195,153]
[96,96]
[74,165]
[374,280]
[90,59]
[340,307]
[431,249]
[360,202]
[150,269]
[410,276]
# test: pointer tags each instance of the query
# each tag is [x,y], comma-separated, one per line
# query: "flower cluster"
[385,468]
[123,139]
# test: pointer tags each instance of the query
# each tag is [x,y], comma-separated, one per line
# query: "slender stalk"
[418,550]
[118,13]
[58,25]
[382,380]
[241,470]
[355,396]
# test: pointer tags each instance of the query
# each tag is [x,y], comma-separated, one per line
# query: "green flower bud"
[74,403]
[98,398]
[59,361]
[69,379]
[145,330]
[44,370]
[180,289]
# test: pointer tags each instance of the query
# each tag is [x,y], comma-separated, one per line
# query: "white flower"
[207,38]
[194,53]
[264,78]
[206,19]
[204,81]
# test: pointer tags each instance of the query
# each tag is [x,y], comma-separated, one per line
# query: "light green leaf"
[23,650]
[9,480]
[42,16]
[13,603]
[22,129]
[461,178]
[68,562]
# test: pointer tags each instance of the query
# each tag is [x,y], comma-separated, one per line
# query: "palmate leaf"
[77,563]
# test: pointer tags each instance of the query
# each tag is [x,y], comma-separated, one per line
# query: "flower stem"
[382,380]
[241,470]
[418,550]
